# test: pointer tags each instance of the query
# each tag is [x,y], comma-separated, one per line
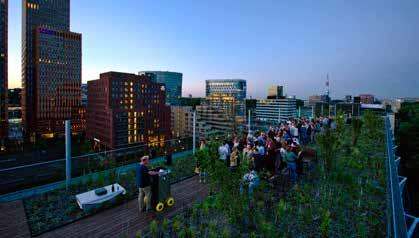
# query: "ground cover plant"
[53,209]
[344,197]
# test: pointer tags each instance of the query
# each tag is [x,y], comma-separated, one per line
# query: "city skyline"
[365,47]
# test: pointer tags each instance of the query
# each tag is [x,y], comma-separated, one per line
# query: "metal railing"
[37,174]
[400,224]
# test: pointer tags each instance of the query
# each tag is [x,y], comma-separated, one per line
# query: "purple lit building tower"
[51,69]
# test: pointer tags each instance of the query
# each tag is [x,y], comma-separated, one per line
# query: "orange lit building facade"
[126,109]
[57,71]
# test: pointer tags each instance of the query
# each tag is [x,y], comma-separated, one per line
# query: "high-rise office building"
[212,120]
[3,70]
[51,69]
[84,94]
[275,110]
[232,87]
[227,103]
[127,109]
[275,92]
[181,120]
[173,82]
[228,87]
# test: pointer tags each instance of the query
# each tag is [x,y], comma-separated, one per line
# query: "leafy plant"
[325,224]
[154,228]
[328,143]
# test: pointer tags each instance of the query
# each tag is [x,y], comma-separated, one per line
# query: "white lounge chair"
[90,200]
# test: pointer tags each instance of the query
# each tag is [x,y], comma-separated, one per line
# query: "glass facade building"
[228,87]
[51,68]
[275,110]
[233,87]
[173,82]
[3,69]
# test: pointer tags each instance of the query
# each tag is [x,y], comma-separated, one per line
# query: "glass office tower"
[173,82]
[233,87]
[228,87]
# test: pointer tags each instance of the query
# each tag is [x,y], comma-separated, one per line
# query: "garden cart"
[160,190]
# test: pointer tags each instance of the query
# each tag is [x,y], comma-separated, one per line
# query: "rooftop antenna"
[327,86]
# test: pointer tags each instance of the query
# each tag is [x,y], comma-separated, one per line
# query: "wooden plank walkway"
[13,220]
[126,220]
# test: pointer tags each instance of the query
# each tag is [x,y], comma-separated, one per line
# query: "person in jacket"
[143,181]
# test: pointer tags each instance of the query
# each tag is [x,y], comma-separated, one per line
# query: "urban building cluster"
[120,109]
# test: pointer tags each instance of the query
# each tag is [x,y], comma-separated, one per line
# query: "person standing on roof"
[143,181]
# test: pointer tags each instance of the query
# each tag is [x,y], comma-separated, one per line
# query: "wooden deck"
[123,220]
[13,220]
[126,219]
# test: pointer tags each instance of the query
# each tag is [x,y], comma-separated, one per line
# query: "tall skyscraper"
[3,70]
[173,82]
[51,68]
[127,109]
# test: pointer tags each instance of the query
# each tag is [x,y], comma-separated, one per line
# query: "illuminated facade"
[228,87]
[181,121]
[51,69]
[211,120]
[234,87]
[126,109]
[226,103]
[173,83]
[57,73]
[3,70]
[274,110]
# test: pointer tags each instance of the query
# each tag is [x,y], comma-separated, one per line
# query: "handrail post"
[67,153]
[194,133]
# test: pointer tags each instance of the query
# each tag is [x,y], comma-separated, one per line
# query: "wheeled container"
[160,190]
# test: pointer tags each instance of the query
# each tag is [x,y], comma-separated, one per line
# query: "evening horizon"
[365,47]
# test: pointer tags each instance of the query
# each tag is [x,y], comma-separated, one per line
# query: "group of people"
[278,148]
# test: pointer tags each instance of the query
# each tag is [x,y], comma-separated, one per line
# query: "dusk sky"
[365,46]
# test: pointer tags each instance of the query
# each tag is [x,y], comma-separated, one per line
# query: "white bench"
[89,200]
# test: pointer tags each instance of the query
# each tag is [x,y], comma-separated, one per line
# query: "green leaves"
[328,142]
[325,224]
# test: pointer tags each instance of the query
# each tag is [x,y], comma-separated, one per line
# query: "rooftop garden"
[344,195]
[53,209]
